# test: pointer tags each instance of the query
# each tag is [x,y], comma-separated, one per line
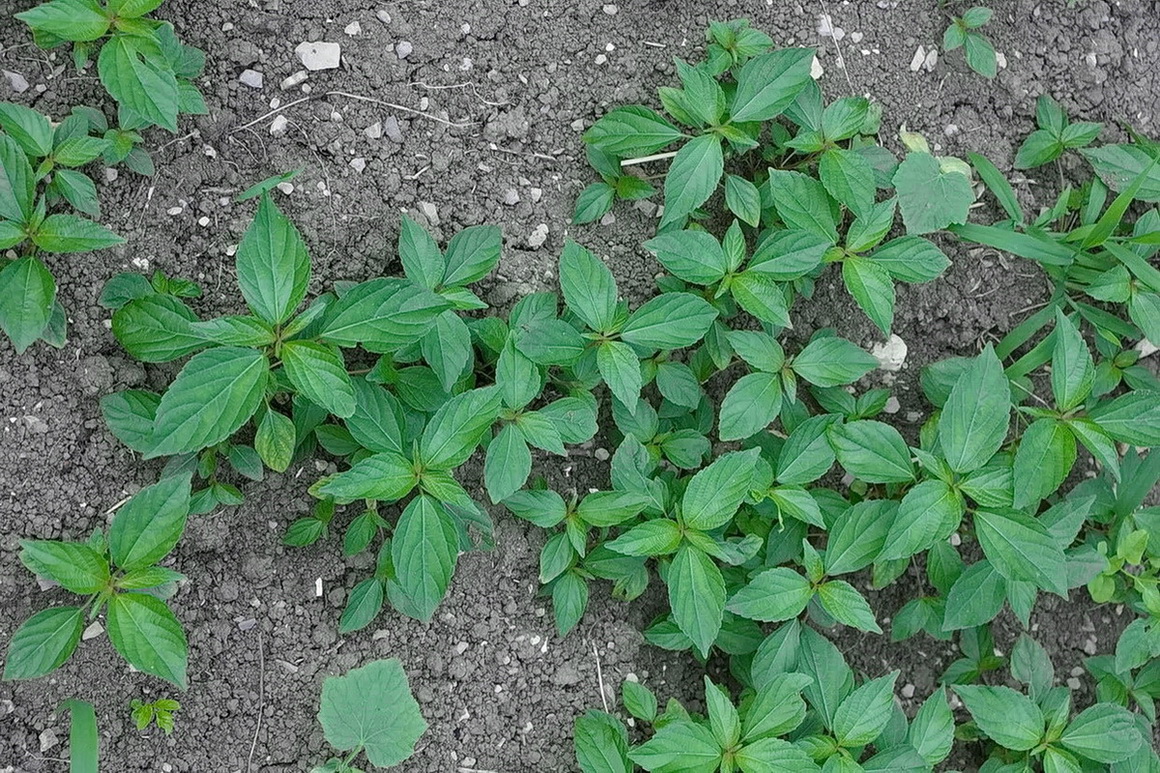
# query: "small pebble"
[403,49]
[1073,683]
[295,79]
[110,174]
[278,126]
[931,60]
[511,197]
[392,130]
[430,212]
[252,78]
[374,131]
[353,28]
[918,59]
[286,188]
[890,355]
[601,454]
[319,55]
[907,691]
[48,740]
[611,9]
[94,630]
[892,405]
[816,70]
[383,16]
[538,236]
[16,81]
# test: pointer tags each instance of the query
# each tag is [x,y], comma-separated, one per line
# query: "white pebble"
[891,354]
[295,79]
[403,49]
[319,55]
[816,70]
[383,16]
[252,78]
[353,28]
[374,131]
[537,238]
[278,126]
[917,60]
[611,9]
[16,81]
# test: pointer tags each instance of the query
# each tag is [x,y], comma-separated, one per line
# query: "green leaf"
[803,204]
[1039,148]
[975,597]
[552,342]
[83,741]
[1104,733]
[981,55]
[588,287]
[714,494]
[669,321]
[17,183]
[424,550]
[751,405]
[1009,718]
[133,70]
[829,361]
[319,374]
[762,297]
[977,414]
[931,199]
[362,606]
[872,288]
[693,175]
[658,537]
[1120,165]
[928,512]
[517,377]
[75,566]
[129,414]
[858,534]
[678,384]
[872,451]
[273,265]
[212,397]
[157,328]
[1133,418]
[632,130]
[543,508]
[932,731]
[44,642]
[147,635]
[772,596]
[149,525]
[638,700]
[422,260]
[31,130]
[620,369]
[371,708]
[790,254]
[69,233]
[864,714]
[743,199]
[275,440]
[601,742]
[78,20]
[911,259]
[27,294]
[1045,456]
[679,746]
[723,719]
[610,508]
[1020,548]
[849,178]
[777,708]
[998,184]
[508,464]
[773,755]
[769,83]
[848,607]
[694,256]
[472,254]
[447,348]
[457,428]
[696,596]
[593,203]
[385,477]
[1072,370]
[382,315]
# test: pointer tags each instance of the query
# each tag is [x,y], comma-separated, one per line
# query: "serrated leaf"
[769,83]
[977,414]
[371,708]
[696,596]
[273,265]
[27,294]
[669,321]
[43,642]
[693,176]
[457,428]
[149,525]
[1020,548]
[931,199]
[319,374]
[1007,717]
[147,635]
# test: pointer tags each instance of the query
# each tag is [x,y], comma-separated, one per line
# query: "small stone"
[203,221]
[601,454]
[816,70]
[227,27]
[430,211]
[856,37]
[566,675]
[956,539]
[252,78]
[93,631]
[294,80]
[931,60]
[601,59]
[890,355]
[286,187]
[16,81]
[461,648]
[319,55]
[383,16]
[536,194]
[907,691]
[892,406]
[511,197]
[48,740]
[537,238]
[352,29]
[247,624]
[358,164]
[1073,683]
[110,174]
[374,131]
[918,58]
[1089,646]
[403,49]
[1001,60]
[36,425]
[392,130]
[278,126]
[610,9]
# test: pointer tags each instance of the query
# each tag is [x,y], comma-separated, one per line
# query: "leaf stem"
[647,159]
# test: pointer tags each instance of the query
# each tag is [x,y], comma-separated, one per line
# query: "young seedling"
[963,33]
[160,711]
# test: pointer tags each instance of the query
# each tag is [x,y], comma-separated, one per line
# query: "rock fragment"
[16,81]
[403,49]
[537,238]
[278,126]
[319,55]
[293,80]
[392,130]
[252,78]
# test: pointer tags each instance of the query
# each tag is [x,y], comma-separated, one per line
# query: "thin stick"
[837,48]
[261,698]
[117,506]
[391,105]
[600,678]
[647,159]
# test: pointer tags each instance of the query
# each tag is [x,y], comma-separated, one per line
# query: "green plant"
[369,710]
[160,711]
[1055,135]
[84,745]
[40,165]
[140,61]
[963,32]
[801,710]
[119,574]
[1039,726]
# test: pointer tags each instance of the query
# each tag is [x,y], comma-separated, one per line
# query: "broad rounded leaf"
[27,294]
[1009,718]
[669,321]
[372,708]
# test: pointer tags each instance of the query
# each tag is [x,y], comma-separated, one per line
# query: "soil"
[498,687]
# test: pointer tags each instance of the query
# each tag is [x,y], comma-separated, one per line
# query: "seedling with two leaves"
[117,574]
[963,32]
[160,711]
